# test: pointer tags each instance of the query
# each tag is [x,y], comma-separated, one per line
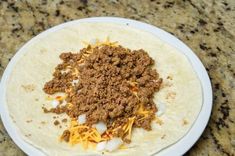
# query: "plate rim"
[178,148]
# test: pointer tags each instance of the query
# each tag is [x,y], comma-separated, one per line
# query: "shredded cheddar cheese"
[76,72]
[83,134]
[142,111]
[99,43]
[89,136]
[129,127]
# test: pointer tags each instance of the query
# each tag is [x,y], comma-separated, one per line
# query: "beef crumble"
[114,84]
[66,135]
[56,122]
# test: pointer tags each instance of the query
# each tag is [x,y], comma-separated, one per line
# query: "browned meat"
[113,82]
[56,122]
[65,136]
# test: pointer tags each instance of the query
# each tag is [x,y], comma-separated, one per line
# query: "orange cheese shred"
[88,136]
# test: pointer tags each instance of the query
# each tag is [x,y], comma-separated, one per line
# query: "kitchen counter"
[207,27]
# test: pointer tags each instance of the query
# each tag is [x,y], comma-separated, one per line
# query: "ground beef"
[56,122]
[65,136]
[113,82]
[64,120]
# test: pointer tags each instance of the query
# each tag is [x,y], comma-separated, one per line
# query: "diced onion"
[55,103]
[161,108]
[113,144]
[65,71]
[100,127]
[74,82]
[82,119]
[101,146]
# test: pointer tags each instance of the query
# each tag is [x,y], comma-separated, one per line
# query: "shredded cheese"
[129,127]
[88,136]
[99,43]
[76,72]
[142,111]
[83,134]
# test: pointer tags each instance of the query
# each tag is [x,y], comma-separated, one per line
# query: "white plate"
[180,147]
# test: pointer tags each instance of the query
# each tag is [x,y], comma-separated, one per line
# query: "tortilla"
[181,93]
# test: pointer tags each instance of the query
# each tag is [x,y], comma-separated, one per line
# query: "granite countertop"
[208,27]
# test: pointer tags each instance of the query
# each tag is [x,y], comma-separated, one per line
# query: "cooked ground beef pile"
[107,83]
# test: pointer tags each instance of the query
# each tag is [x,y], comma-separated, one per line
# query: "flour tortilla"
[182,95]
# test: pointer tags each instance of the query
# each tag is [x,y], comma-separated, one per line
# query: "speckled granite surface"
[208,27]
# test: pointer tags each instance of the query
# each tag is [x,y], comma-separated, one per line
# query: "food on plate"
[113,93]
[73,91]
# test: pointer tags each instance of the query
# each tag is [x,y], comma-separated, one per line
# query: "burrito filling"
[108,91]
